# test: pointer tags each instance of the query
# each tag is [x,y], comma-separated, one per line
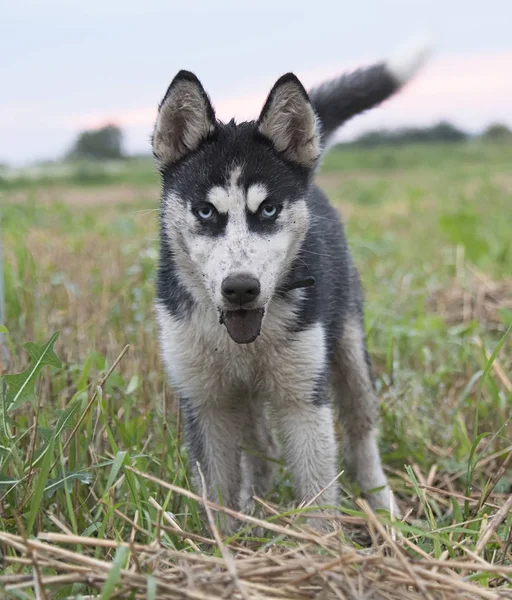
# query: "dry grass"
[111,195]
[474,298]
[307,565]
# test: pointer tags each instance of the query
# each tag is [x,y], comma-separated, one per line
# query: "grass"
[94,494]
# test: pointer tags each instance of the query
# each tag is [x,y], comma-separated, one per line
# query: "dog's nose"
[240,289]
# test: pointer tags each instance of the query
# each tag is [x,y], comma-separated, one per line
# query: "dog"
[258,301]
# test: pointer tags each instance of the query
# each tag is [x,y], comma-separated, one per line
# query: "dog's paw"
[229,525]
[321,521]
[384,500]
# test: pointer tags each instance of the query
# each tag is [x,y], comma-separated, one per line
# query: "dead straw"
[310,565]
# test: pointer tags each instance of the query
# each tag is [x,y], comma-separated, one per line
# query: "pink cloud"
[469,89]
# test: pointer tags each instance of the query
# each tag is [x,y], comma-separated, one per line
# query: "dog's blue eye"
[205,213]
[269,211]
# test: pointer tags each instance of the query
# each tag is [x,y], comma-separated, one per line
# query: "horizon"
[337,142]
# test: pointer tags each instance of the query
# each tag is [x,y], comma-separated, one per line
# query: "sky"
[67,65]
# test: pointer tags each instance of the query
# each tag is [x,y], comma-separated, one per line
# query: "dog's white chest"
[203,362]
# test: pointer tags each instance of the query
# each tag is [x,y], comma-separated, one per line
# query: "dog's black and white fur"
[259,303]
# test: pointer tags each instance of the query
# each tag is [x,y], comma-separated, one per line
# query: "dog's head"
[234,208]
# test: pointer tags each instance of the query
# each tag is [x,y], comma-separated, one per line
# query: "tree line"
[442,132]
[107,142]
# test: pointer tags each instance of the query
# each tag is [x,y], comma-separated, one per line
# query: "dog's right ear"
[185,118]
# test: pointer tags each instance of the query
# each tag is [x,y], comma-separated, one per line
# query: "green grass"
[131,171]
[459,157]
[424,223]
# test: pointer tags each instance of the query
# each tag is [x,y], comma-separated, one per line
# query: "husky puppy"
[259,304]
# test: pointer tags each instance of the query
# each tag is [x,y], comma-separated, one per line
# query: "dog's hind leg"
[213,434]
[358,407]
[259,456]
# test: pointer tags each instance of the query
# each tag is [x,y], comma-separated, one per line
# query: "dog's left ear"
[289,121]
[185,118]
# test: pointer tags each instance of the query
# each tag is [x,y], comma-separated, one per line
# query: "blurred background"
[423,183]
[68,68]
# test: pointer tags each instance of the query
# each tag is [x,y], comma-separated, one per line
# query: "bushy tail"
[343,97]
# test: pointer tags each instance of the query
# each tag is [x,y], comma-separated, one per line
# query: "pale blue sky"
[66,63]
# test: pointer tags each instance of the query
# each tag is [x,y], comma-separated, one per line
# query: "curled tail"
[343,97]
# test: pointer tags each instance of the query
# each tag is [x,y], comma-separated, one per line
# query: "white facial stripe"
[256,194]
[219,197]
[226,199]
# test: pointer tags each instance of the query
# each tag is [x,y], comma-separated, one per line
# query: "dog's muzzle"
[241,318]
[244,325]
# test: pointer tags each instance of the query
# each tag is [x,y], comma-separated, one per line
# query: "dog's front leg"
[213,433]
[310,448]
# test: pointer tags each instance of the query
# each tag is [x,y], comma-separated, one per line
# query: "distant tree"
[105,142]
[497,132]
[446,132]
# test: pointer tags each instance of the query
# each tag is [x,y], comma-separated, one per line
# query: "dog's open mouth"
[243,326]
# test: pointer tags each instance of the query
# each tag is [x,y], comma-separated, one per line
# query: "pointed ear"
[289,121]
[185,118]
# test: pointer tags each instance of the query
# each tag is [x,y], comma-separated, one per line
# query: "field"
[94,496]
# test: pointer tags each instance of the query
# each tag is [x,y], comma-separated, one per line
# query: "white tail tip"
[409,57]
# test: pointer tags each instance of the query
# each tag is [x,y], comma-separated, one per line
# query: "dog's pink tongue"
[243,326]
